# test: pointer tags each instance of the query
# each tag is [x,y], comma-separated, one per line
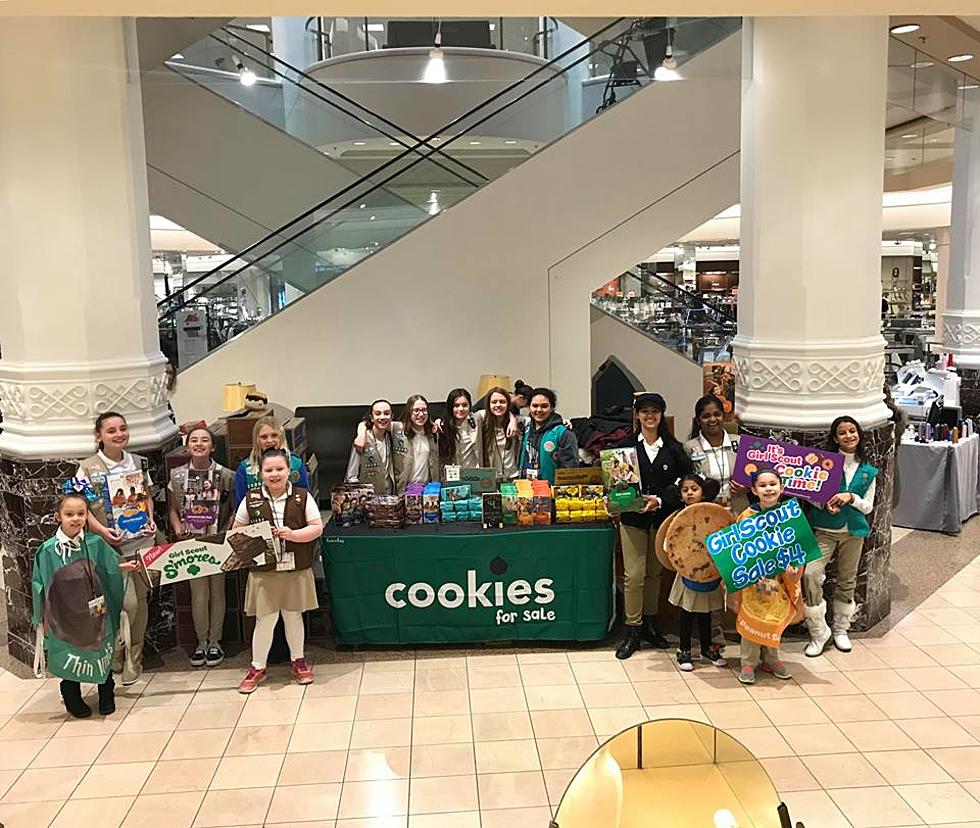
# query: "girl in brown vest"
[284,587]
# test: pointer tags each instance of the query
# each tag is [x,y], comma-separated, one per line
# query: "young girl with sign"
[693,599]
[767,607]
[198,495]
[548,443]
[267,433]
[840,526]
[286,586]
[99,471]
[379,453]
[78,594]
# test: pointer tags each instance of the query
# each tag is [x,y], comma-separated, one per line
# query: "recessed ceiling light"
[360,143]
[474,143]
[910,135]
[959,58]
[176,56]
[904,28]
[259,27]
[510,142]
[969,86]
[393,144]
[372,218]
[362,206]
[921,64]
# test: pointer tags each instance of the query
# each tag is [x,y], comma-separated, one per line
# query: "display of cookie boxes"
[579,504]
[348,501]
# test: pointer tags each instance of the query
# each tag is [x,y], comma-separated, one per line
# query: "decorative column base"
[873,592]
[29,491]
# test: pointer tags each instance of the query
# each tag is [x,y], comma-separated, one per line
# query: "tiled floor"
[886,736]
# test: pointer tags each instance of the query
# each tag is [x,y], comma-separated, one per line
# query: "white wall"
[658,368]
[522,255]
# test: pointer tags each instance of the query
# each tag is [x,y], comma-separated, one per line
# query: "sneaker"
[747,676]
[777,668]
[302,671]
[198,657]
[214,655]
[684,660]
[713,654]
[253,678]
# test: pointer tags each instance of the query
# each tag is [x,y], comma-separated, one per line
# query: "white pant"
[265,627]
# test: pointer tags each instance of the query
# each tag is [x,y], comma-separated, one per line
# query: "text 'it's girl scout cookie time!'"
[810,473]
[683,542]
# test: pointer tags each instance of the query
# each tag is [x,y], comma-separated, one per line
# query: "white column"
[813,122]
[78,330]
[961,319]
[942,279]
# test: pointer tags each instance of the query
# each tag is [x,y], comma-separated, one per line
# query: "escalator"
[661,161]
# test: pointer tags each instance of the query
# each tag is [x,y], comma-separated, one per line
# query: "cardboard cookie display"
[658,543]
[684,542]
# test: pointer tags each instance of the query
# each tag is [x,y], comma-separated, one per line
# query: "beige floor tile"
[512,790]
[380,733]
[332,686]
[674,691]
[727,715]
[490,659]
[202,716]
[438,730]
[937,733]
[969,674]
[279,687]
[29,814]
[954,654]
[402,682]
[17,754]
[492,727]
[231,807]
[507,757]
[108,812]
[516,818]
[868,736]
[313,768]
[860,658]
[716,689]
[301,803]
[498,700]
[792,712]
[945,617]
[252,741]
[659,669]
[879,681]
[694,712]
[7,779]
[181,775]
[542,658]
[556,783]
[941,803]
[46,783]
[609,695]
[967,633]
[906,657]
[553,697]
[873,807]
[317,737]
[934,678]
[453,678]
[150,719]
[765,690]
[809,740]
[442,703]
[788,773]
[102,725]
[380,706]
[443,760]
[61,753]
[400,663]
[122,780]
[459,819]
[258,713]
[197,744]
[432,796]
[327,709]
[905,705]
[378,764]
[567,752]
[490,677]
[822,685]
[907,767]
[374,799]
[549,724]
[247,772]
[963,702]
[610,720]
[843,770]
[534,675]
[599,672]
[134,747]
[962,763]
[841,709]
[164,811]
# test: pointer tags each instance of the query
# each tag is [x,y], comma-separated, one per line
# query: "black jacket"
[672,462]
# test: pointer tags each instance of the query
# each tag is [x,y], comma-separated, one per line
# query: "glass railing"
[674,316]
[925,85]
[406,190]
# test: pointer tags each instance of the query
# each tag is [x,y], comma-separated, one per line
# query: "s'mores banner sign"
[203,555]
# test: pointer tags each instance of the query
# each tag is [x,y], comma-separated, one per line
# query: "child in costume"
[694,600]
[768,606]
[78,595]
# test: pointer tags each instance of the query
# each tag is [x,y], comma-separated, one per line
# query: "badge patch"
[549,445]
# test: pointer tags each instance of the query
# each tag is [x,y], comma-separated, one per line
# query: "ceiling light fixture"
[921,64]
[904,28]
[245,75]
[910,135]
[176,56]
[959,58]
[968,86]
[510,142]
[360,143]
[667,71]
[259,27]
[435,70]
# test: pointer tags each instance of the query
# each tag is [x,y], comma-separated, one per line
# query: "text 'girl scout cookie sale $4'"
[810,473]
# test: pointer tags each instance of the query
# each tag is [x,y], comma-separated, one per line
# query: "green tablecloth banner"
[763,545]
[414,587]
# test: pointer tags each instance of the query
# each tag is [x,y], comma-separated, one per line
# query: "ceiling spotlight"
[904,28]
[910,135]
[176,56]
[245,75]
[510,142]
[360,143]
[435,70]
[959,58]
[968,86]
[921,64]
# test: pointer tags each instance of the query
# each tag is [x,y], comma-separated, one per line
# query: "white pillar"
[813,120]
[78,329]
[961,319]
[942,279]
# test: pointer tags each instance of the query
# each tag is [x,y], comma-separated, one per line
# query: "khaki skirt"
[694,601]
[268,592]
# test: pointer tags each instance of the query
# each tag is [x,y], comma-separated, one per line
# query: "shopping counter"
[439,584]
[940,487]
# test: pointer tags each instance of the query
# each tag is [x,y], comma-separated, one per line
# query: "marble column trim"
[806,384]
[961,336]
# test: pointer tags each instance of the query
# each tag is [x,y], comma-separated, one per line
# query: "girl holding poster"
[768,606]
[198,495]
[285,587]
[840,526]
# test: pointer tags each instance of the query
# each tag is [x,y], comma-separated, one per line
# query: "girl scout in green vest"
[840,527]
[378,455]
[267,433]
[548,444]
